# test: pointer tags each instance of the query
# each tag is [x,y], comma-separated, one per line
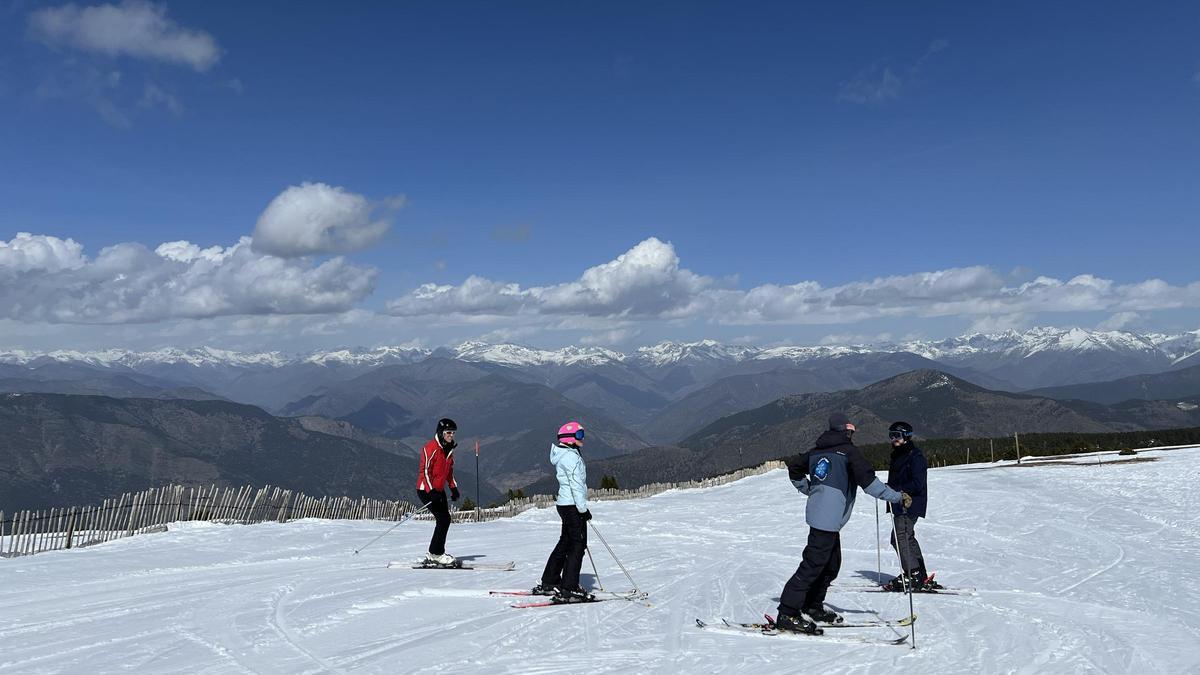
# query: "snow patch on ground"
[1080,566]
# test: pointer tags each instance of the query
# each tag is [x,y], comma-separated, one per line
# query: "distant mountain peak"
[1007,344]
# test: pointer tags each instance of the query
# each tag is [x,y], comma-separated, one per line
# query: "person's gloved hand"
[906,499]
[797,470]
[454,494]
[586,515]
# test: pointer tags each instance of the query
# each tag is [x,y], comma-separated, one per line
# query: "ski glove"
[586,516]
[906,499]
[454,494]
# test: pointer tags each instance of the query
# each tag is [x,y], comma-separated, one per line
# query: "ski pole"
[599,583]
[904,579]
[878,554]
[398,524]
[614,557]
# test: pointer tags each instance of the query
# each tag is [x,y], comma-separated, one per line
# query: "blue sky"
[918,166]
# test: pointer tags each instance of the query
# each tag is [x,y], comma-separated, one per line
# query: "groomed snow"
[1080,567]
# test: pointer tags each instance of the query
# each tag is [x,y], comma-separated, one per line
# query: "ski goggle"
[578,435]
[899,435]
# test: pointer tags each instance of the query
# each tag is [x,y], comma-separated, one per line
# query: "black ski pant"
[441,516]
[562,569]
[911,560]
[818,568]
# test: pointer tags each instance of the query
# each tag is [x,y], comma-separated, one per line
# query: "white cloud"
[1119,321]
[27,252]
[878,84]
[315,218]
[871,85]
[153,95]
[133,28]
[1000,324]
[99,88]
[647,283]
[47,279]
[855,339]
[610,338]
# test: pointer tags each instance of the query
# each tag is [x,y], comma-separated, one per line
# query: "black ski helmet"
[445,424]
[903,428]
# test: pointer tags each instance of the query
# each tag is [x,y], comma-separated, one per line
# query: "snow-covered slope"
[1079,568]
[1032,341]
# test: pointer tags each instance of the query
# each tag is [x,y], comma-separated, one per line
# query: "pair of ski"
[769,629]
[456,565]
[632,596]
[926,589]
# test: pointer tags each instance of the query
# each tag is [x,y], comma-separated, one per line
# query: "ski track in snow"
[1078,568]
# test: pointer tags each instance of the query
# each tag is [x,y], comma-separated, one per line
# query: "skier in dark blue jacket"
[830,475]
[908,473]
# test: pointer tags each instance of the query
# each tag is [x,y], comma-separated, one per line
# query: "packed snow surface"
[1079,566]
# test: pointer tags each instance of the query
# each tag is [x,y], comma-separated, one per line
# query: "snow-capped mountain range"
[1009,344]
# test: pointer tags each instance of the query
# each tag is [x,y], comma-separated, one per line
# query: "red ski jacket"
[436,468]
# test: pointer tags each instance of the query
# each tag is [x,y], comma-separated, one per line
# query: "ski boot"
[544,589]
[566,596]
[904,583]
[930,585]
[822,615]
[795,623]
[441,560]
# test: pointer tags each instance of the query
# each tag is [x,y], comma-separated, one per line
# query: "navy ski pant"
[818,568]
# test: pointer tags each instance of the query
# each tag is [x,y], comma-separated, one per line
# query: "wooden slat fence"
[29,532]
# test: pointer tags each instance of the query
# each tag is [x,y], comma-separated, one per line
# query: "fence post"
[133,505]
[70,527]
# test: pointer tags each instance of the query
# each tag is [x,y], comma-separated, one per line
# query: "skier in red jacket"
[436,470]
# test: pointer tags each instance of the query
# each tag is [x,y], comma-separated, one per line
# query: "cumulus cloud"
[133,28]
[315,218]
[645,281]
[1120,321]
[29,252]
[47,279]
[648,283]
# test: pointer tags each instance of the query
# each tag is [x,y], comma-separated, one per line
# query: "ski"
[905,622]
[551,603]
[938,588]
[628,595]
[925,591]
[638,597]
[770,625]
[497,567]
[768,630]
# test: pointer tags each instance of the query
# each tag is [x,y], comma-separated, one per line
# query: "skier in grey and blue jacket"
[561,576]
[830,475]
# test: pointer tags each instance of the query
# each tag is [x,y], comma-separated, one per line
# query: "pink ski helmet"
[571,432]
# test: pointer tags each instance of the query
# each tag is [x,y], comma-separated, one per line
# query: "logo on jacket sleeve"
[821,470]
